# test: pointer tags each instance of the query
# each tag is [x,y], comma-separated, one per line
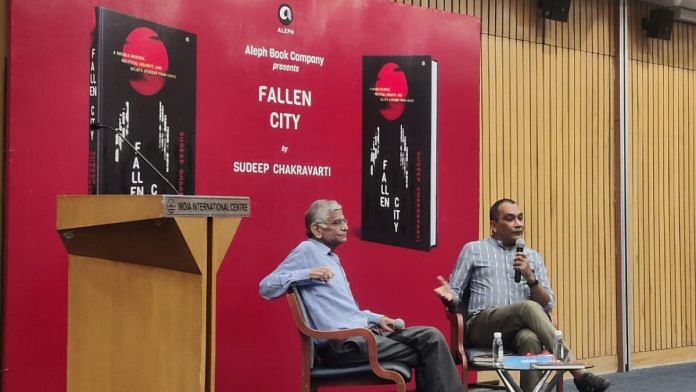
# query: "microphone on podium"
[98,126]
[519,245]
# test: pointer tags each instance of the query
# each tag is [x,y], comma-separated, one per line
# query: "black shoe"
[589,382]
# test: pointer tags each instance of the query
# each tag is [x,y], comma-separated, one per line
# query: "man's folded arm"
[279,281]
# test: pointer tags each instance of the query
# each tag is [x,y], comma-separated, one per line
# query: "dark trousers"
[423,348]
[525,327]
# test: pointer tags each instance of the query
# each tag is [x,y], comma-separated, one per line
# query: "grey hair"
[318,212]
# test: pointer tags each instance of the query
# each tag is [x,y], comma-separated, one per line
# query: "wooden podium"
[141,289]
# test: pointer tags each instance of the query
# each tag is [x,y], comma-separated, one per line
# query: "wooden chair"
[457,346]
[461,353]
[314,375]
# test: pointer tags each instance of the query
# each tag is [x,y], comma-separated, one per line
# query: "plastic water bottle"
[558,348]
[497,349]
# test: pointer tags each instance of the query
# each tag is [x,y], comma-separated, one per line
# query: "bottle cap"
[557,333]
[497,335]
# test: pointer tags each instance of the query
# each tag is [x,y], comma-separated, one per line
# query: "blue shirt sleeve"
[372,317]
[460,276]
[293,270]
[543,277]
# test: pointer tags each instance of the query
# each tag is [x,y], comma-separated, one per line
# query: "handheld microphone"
[97,126]
[398,324]
[519,245]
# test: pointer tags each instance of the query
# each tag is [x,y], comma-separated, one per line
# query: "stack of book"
[518,362]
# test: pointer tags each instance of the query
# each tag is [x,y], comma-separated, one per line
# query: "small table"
[552,373]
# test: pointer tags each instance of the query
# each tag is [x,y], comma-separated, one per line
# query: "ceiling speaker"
[555,9]
[659,23]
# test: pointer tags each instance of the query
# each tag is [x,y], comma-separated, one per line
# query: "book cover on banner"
[143,84]
[399,150]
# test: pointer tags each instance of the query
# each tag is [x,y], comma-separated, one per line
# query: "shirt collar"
[322,247]
[499,243]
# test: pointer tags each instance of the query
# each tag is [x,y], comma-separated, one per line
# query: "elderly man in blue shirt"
[485,271]
[318,273]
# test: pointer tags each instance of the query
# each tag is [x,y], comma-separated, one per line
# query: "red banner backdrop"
[245,50]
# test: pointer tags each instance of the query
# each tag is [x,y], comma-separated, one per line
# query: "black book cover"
[399,113]
[143,84]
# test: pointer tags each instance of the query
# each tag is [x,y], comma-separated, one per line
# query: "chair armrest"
[456,340]
[456,335]
[364,333]
[338,333]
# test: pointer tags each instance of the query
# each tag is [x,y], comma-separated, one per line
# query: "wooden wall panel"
[662,78]
[551,142]
[549,139]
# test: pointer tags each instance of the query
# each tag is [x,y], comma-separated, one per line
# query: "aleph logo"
[285,14]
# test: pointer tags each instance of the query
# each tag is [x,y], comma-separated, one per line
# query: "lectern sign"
[206,206]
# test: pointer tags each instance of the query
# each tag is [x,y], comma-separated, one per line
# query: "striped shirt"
[485,267]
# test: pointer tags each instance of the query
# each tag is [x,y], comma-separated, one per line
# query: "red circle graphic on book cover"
[147,57]
[392,89]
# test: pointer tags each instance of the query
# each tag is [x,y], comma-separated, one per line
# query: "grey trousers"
[423,348]
[525,327]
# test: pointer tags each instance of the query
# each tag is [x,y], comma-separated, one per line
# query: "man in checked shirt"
[520,311]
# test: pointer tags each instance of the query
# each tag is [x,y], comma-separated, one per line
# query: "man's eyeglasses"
[336,223]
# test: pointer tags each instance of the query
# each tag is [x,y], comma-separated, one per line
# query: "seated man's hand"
[323,274]
[444,291]
[386,323]
[520,263]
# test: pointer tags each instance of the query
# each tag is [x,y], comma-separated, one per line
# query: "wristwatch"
[532,283]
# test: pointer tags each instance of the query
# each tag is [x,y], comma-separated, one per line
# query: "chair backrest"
[462,308]
[301,318]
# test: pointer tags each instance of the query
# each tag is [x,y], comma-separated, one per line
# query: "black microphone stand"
[97,126]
